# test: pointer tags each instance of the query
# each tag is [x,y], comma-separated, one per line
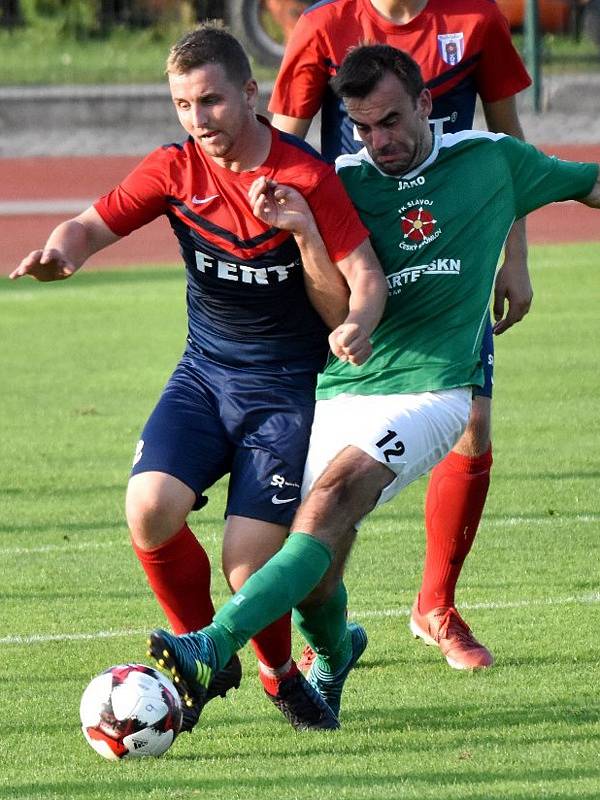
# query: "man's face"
[213,110]
[393,126]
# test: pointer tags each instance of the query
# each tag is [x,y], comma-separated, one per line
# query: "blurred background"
[83,95]
[107,41]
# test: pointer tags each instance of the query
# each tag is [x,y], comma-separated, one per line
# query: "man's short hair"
[366,65]
[210,43]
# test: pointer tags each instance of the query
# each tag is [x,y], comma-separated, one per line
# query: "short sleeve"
[139,198]
[336,217]
[303,76]
[539,179]
[500,72]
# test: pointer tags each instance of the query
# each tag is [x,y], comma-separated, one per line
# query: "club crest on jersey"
[451,47]
[418,224]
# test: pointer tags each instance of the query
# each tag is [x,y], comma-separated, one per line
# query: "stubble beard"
[420,153]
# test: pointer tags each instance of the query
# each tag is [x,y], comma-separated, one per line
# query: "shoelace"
[453,623]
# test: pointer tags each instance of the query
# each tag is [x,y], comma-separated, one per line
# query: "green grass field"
[42,54]
[82,363]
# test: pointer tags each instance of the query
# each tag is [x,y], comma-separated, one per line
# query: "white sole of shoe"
[419,633]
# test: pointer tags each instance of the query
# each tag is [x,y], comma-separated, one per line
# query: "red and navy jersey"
[245,288]
[463,47]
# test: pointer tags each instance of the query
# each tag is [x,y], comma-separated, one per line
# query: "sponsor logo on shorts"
[138,452]
[439,266]
[277,501]
[280,482]
[243,273]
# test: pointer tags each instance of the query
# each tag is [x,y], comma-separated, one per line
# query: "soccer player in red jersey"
[464,50]
[241,399]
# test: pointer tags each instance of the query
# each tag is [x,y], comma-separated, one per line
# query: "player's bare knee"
[151,518]
[321,593]
[342,497]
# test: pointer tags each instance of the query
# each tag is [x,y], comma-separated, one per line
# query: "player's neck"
[401,12]
[253,150]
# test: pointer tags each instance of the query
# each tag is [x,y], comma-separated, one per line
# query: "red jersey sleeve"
[337,219]
[140,197]
[303,76]
[501,72]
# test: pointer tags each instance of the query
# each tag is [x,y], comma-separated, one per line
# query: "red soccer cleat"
[445,628]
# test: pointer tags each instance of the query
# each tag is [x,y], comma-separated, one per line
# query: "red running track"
[86,178]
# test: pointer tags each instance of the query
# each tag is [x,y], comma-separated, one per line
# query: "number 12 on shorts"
[394,451]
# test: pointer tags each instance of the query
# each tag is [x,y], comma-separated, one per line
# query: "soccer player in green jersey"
[438,209]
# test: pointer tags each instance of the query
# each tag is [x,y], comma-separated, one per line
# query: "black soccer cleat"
[303,706]
[228,678]
[190,661]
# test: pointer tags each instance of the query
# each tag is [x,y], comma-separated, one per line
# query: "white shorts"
[409,433]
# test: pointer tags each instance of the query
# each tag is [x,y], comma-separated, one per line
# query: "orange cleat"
[445,628]
[305,661]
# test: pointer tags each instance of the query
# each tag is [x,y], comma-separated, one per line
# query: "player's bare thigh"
[475,441]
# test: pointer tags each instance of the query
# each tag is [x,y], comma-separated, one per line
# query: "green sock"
[326,630]
[286,579]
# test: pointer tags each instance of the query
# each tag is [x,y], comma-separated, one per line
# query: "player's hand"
[280,206]
[349,342]
[44,265]
[513,286]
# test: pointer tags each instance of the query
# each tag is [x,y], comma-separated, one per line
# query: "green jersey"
[438,232]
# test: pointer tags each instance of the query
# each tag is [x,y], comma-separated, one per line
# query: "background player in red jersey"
[241,399]
[464,50]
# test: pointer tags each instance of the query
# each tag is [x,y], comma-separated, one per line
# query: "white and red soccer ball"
[130,710]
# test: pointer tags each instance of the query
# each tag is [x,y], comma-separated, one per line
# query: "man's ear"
[251,92]
[424,104]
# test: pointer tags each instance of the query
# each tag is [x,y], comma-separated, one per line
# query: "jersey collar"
[364,155]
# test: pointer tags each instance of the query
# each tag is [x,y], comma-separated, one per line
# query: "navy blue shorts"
[487,361]
[213,420]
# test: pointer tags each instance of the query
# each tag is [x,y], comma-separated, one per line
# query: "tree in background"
[11,13]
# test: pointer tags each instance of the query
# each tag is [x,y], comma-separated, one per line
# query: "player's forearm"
[502,117]
[81,237]
[368,287]
[71,239]
[515,249]
[325,285]
[296,125]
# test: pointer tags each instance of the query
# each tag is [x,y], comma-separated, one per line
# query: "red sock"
[178,572]
[454,504]
[271,682]
[273,645]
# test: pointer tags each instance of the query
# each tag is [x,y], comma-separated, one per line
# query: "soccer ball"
[130,710]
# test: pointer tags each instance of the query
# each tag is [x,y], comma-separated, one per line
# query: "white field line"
[44,638]
[52,207]
[65,548]
[507,522]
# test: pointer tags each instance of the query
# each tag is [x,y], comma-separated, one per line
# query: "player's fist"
[349,342]
[279,206]
[44,265]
